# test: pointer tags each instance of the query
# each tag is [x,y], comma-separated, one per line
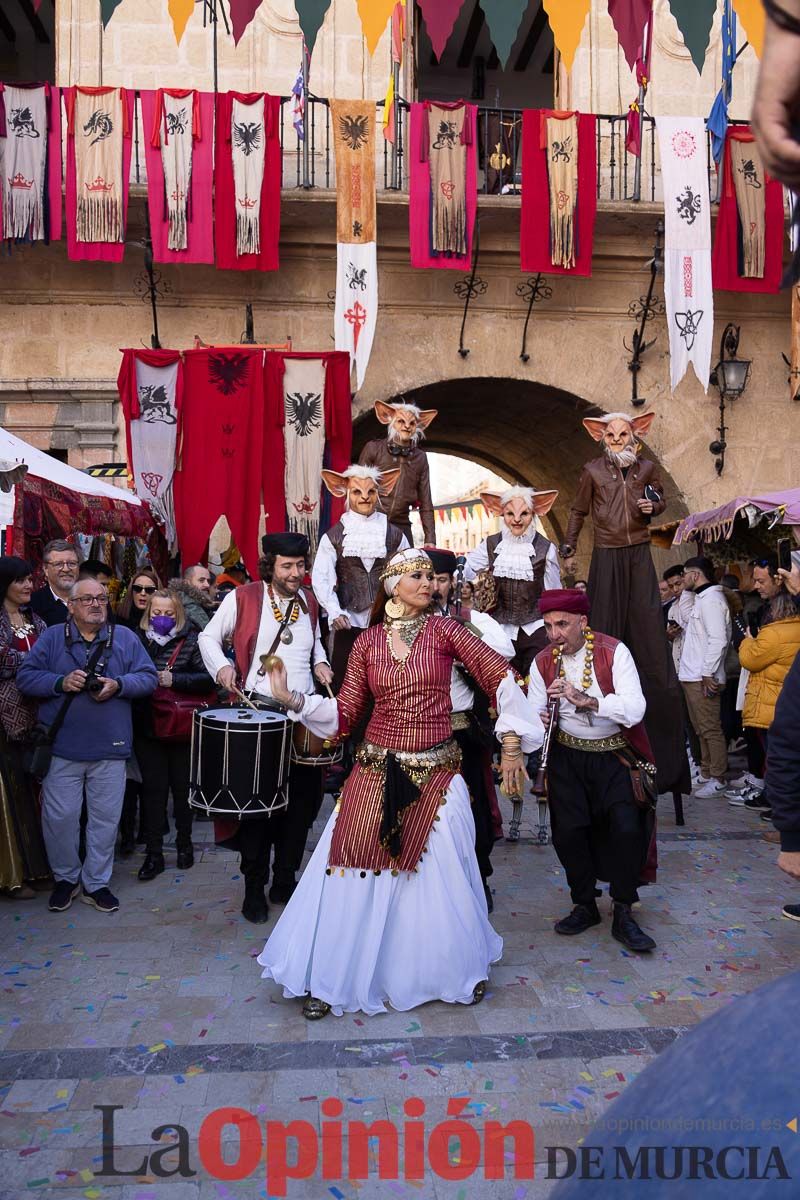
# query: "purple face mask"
[162,625]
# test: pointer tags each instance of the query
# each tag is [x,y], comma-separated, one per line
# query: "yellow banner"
[567,19]
[375,16]
[751,14]
[180,11]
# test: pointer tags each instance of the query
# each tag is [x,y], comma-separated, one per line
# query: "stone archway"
[526,431]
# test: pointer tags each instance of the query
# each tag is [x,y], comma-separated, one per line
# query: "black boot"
[185,857]
[153,865]
[127,822]
[625,930]
[254,908]
[582,917]
[488,895]
[281,891]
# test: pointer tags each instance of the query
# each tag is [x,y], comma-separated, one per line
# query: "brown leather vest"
[356,588]
[518,599]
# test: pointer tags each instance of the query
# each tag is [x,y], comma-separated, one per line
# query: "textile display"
[748,241]
[688,293]
[304,444]
[247,181]
[180,11]
[334,416]
[150,385]
[220,461]
[443,184]
[567,19]
[440,17]
[356,309]
[548,242]
[504,18]
[375,15]
[633,131]
[179,155]
[751,14]
[794,371]
[694,18]
[99,124]
[30,162]
[242,13]
[44,510]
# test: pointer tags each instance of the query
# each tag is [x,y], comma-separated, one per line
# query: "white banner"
[304,439]
[688,293]
[356,303]
[153,441]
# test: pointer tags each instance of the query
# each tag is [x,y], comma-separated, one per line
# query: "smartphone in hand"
[785,553]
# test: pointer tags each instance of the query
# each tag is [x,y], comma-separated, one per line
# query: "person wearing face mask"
[400,450]
[171,642]
[621,492]
[521,563]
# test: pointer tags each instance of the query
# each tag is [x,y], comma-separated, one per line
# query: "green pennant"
[695,18]
[311,14]
[503,18]
[107,10]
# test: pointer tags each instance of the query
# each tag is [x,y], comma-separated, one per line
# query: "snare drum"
[239,762]
[307,749]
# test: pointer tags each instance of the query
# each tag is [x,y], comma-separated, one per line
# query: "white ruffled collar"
[364,537]
[514,556]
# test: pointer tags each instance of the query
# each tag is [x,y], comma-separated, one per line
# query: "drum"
[307,749]
[239,762]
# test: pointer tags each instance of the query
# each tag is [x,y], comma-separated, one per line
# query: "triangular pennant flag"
[180,11]
[694,19]
[375,16]
[567,19]
[751,14]
[311,14]
[503,18]
[440,17]
[630,18]
[107,10]
[242,13]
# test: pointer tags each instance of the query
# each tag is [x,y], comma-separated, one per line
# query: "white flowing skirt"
[397,940]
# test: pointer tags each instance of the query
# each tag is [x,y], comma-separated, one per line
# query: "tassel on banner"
[99,220]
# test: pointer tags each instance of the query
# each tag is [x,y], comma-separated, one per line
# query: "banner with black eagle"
[247,181]
[179,124]
[150,385]
[308,425]
[356,313]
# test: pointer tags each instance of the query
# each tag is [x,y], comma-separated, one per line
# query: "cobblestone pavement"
[160,1009]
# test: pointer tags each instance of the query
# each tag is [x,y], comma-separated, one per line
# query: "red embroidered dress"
[411,713]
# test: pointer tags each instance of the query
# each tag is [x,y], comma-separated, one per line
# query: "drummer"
[274,616]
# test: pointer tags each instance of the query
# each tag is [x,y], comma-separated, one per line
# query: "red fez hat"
[569,600]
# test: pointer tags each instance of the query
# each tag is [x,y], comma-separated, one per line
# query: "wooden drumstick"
[246,699]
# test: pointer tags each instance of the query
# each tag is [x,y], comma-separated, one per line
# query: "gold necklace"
[588,659]
[286,635]
[408,629]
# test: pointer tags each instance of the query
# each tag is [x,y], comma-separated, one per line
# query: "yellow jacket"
[768,657]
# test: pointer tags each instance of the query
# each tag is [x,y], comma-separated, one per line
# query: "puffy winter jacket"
[768,658]
[188,672]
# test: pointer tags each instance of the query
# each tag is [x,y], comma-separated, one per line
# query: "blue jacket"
[782,778]
[91,731]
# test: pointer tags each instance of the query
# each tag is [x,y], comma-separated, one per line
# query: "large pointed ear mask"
[594,427]
[427,416]
[641,424]
[384,412]
[543,502]
[388,480]
[491,502]
[335,483]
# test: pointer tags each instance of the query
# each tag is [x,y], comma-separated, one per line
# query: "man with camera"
[85,674]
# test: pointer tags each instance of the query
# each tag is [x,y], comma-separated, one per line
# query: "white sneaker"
[711,787]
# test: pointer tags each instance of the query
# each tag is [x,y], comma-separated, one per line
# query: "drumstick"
[245,698]
[327,687]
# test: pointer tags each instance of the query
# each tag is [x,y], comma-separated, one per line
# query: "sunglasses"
[148,589]
[764,563]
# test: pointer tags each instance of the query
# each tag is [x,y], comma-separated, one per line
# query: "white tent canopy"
[44,466]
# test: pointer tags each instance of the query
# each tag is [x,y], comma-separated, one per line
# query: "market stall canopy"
[14,450]
[783,508]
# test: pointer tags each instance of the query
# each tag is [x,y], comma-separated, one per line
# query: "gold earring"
[394,609]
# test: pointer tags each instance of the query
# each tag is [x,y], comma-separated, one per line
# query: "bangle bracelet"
[780,17]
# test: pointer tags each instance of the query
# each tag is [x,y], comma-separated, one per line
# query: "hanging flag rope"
[567,19]
[311,14]
[440,17]
[504,18]
[694,19]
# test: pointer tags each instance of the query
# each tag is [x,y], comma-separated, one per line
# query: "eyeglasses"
[70,565]
[148,589]
[87,600]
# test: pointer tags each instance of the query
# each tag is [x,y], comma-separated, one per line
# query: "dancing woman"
[391,910]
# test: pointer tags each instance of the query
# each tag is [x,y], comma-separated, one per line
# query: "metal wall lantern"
[730,376]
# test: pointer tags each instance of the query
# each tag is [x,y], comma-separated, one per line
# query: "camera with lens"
[93,683]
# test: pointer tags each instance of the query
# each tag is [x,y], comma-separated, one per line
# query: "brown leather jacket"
[611,499]
[413,488]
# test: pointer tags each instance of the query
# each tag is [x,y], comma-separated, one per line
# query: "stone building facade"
[62,323]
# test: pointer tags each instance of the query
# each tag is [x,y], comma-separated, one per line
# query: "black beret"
[290,545]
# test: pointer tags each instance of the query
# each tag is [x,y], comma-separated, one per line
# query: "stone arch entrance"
[526,431]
